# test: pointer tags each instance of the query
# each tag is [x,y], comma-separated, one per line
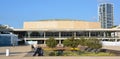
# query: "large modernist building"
[105,15]
[39,31]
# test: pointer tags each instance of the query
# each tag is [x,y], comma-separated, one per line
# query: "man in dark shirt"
[38,51]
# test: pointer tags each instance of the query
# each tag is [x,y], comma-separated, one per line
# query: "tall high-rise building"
[105,15]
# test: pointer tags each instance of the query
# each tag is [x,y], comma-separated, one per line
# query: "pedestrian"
[38,51]
[42,52]
[32,47]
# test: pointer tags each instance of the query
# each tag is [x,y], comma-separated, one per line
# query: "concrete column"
[116,40]
[44,34]
[74,34]
[104,34]
[89,34]
[59,34]
[29,34]
[114,34]
[44,41]
[59,41]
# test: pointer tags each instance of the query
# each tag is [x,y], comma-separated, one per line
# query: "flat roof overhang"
[118,30]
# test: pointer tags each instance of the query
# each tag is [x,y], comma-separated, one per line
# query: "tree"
[5,28]
[51,42]
[71,42]
[82,41]
[75,42]
[67,42]
[94,44]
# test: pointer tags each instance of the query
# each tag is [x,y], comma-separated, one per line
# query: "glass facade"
[5,40]
[37,34]
[40,37]
[8,40]
[82,34]
[52,34]
[68,34]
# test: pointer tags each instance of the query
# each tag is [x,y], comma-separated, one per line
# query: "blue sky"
[15,12]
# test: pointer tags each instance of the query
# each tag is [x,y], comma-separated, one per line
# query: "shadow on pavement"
[30,53]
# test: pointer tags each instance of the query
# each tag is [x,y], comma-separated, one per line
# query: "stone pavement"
[112,47]
[20,52]
[63,57]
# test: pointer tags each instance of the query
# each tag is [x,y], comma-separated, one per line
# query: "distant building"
[105,15]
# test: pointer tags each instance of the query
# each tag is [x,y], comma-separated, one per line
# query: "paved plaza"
[23,52]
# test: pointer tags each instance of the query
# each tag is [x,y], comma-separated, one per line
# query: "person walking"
[38,51]
[32,47]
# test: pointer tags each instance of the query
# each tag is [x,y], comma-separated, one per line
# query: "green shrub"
[52,54]
[98,54]
[76,53]
[70,53]
[51,42]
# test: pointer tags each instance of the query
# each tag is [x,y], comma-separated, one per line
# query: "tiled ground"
[24,52]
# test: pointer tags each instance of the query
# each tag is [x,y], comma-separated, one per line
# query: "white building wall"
[107,43]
